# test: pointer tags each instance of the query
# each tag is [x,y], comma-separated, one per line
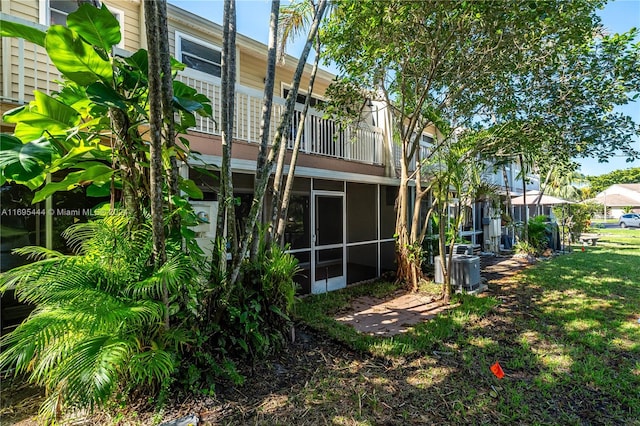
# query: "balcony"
[496,177]
[321,136]
[26,67]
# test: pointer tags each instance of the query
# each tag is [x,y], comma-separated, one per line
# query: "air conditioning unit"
[464,272]
[470,249]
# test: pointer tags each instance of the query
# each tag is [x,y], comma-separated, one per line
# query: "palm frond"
[154,365]
[99,316]
[294,18]
[38,253]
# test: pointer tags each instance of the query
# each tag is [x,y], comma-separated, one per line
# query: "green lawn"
[566,333]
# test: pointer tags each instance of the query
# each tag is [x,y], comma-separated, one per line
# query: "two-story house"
[341,218]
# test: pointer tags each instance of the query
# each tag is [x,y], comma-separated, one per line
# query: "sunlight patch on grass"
[626,344]
[482,342]
[557,362]
[347,421]
[529,338]
[545,381]
[423,379]
[582,324]
[273,403]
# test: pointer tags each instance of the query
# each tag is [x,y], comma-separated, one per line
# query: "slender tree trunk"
[445,259]
[524,200]
[508,191]
[226,213]
[262,175]
[279,216]
[155,147]
[405,272]
[167,100]
[543,187]
[267,102]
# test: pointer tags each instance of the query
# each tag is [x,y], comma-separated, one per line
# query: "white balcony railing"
[321,136]
[496,177]
[26,67]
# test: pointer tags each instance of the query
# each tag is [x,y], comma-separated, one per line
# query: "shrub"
[252,324]
[537,230]
[98,325]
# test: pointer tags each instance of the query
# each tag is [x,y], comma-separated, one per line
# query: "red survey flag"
[497,370]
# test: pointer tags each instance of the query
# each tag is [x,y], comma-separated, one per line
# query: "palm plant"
[99,317]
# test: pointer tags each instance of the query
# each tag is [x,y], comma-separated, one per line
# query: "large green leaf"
[23,162]
[44,112]
[139,60]
[76,59]
[13,29]
[99,189]
[97,26]
[103,94]
[94,173]
[191,189]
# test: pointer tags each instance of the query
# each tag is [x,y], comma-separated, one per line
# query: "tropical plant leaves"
[191,189]
[93,172]
[76,59]
[45,113]
[103,94]
[23,162]
[14,29]
[99,319]
[97,26]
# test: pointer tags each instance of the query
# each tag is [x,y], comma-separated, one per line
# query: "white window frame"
[287,86]
[428,146]
[44,16]
[178,50]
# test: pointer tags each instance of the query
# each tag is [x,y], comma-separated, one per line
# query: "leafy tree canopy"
[602,182]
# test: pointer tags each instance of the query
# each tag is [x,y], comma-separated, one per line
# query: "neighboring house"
[341,217]
[619,197]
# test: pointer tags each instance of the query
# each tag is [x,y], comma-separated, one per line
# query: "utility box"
[206,213]
[464,271]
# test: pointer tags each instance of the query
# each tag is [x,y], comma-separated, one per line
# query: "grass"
[566,333]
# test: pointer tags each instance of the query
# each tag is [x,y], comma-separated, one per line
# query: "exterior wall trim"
[249,166]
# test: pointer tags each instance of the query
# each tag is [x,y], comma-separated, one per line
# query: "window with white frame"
[55,12]
[302,97]
[198,55]
[426,145]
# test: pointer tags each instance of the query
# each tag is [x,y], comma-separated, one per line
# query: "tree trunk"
[406,271]
[129,169]
[262,175]
[167,101]
[543,187]
[445,261]
[279,215]
[508,191]
[155,147]
[267,100]
[226,213]
[525,231]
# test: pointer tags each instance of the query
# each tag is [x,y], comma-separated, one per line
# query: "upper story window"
[426,146]
[302,98]
[198,55]
[55,12]
[58,11]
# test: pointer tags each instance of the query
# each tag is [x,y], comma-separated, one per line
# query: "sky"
[253,21]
